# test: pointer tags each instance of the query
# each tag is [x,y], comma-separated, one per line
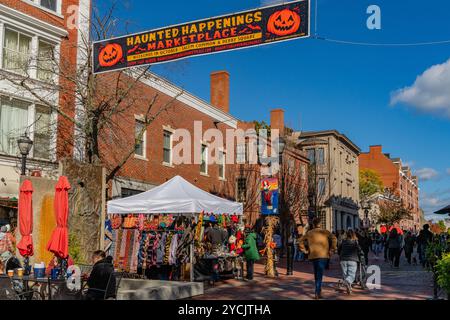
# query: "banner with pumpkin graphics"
[257,27]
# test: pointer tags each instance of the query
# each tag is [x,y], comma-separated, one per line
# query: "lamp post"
[25,144]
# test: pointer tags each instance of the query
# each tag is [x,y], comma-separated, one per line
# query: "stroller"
[361,273]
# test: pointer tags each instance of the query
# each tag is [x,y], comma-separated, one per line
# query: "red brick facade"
[170,113]
[397,178]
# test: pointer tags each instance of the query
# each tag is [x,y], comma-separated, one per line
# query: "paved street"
[409,282]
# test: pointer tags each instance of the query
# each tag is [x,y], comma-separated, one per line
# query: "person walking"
[349,252]
[409,246]
[290,247]
[386,246]
[378,243]
[318,244]
[250,252]
[365,243]
[423,240]
[394,245]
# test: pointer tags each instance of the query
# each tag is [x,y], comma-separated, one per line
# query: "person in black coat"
[99,278]
[365,242]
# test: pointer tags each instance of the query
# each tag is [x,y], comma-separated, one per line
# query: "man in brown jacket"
[318,244]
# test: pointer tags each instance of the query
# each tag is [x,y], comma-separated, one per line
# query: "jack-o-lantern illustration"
[110,55]
[284,22]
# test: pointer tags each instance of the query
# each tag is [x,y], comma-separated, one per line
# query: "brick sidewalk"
[406,283]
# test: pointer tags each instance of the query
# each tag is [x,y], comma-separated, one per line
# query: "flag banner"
[269,196]
[256,27]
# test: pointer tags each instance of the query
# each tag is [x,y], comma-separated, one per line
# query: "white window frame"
[25,33]
[170,131]
[34,50]
[31,125]
[205,173]
[223,163]
[56,56]
[37,3]
[139,118]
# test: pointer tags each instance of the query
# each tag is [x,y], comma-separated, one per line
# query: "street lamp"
[25,144]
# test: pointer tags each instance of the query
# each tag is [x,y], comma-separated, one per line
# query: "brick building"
[34,34]
[178,118]
[397,178]
[292,172]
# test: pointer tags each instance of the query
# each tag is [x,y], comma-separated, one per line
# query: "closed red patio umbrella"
[59,241]
[25,245]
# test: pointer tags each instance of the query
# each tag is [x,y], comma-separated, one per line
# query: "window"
[222,164]
[50,4]
[303,172]
[13,123]
[167,148]
[321,187]
[42,133]
[311,155]
[204,163]
[321,156]
[129,192]
[241,154]
[16,52]
[140,139]
[241,189]
[45,61]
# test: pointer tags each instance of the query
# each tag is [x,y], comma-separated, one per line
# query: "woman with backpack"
[349,253]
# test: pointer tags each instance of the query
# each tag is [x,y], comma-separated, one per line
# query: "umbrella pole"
[27,268]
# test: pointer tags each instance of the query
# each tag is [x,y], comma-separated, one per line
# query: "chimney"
[277,120]
[220,90]
[376,149]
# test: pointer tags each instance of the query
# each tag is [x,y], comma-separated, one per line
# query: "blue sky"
[325,85]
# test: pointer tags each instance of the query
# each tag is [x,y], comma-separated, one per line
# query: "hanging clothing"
[167,248]
[173,250]
[161,249]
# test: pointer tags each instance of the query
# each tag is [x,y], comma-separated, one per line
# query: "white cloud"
[426,174]
[409,164]
[431,202]
[429,93]
[448,171]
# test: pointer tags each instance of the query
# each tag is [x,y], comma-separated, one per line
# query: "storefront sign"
[269,196]
[235,31]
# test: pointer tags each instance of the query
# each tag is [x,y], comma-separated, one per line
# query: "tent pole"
[191,253]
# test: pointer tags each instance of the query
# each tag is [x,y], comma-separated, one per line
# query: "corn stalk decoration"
[271,223]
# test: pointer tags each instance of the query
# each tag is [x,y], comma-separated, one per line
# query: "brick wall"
[68,52]
[118,141]
[390,175]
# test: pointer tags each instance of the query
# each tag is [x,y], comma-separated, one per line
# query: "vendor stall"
[160,232]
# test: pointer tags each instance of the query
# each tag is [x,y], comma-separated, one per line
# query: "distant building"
[398,179]
[333,178]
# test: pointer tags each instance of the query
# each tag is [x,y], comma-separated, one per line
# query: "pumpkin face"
[284,22]
[110,55]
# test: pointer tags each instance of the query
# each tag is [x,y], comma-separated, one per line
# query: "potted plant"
[443,273]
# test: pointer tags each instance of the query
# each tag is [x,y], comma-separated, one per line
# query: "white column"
[2,40]
[32,70]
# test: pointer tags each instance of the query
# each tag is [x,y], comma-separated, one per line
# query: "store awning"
[445,210]
[176,196]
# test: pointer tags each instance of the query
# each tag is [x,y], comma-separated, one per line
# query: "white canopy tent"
[176,196]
